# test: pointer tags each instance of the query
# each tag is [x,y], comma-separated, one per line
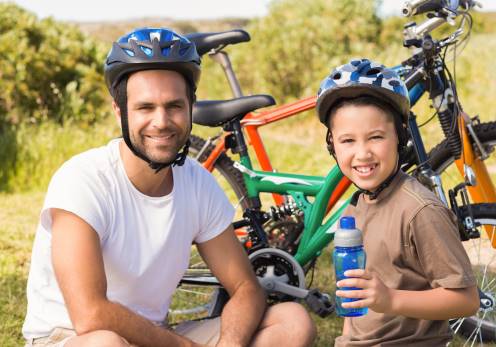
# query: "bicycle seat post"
[222,58]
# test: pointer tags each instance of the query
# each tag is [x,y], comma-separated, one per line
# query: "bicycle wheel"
[229,178]
[440,157]
[199,294]
[481,327]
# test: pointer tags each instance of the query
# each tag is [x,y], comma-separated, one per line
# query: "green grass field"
[19,216]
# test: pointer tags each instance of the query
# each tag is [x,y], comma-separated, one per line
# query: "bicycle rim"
[442,160]
[193,298]
[482,327]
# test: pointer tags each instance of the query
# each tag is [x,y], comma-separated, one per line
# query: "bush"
[298,42]
[48,71]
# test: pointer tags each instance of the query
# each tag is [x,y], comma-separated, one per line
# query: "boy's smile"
[365,143]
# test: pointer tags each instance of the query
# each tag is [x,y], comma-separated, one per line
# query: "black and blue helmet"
[151,49]
[362,77]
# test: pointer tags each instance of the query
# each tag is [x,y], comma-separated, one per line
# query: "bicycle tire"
[482,326]
[440,157]
[194,300]
[224,165]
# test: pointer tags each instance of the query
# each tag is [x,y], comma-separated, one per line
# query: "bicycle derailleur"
[284,280]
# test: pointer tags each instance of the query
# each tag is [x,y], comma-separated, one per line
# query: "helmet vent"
[373,72]
[336,76]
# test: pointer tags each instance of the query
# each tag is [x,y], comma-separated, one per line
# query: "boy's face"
[365,144]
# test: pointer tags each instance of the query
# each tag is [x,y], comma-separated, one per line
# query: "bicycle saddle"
[218,112]
[205,42]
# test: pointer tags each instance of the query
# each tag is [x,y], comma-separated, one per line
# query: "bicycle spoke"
[458,323]
[194,292]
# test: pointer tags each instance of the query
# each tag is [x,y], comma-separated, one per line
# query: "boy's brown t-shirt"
[412,243]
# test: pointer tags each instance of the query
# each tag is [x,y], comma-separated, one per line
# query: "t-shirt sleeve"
[439,250]
[216,212]
[77,190]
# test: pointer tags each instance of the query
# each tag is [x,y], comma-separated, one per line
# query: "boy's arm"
[432,304]
[435,304]
[346,326]
[78,266]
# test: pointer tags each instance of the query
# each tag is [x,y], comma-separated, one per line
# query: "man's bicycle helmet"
[150,49]
[362,78]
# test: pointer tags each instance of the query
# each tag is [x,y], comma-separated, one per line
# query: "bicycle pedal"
[320,303]
[474,234]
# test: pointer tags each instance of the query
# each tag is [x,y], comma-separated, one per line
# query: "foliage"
[294,45]
[48,71]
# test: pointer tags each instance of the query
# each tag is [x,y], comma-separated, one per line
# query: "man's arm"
[228,261]
[78,266]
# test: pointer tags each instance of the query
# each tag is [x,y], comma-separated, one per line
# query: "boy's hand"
[374,294]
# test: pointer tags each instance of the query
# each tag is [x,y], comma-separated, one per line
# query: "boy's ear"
[330,143]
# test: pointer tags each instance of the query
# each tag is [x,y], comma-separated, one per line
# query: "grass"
[19,215]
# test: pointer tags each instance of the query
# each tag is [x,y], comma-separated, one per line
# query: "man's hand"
[373,294]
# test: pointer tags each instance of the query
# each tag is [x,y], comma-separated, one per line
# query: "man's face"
[158,113]
[365,143]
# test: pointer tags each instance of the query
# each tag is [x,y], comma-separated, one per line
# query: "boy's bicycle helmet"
[359,78]
[150,49]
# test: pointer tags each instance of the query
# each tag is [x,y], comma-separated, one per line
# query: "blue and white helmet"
[152,49]
[362,77]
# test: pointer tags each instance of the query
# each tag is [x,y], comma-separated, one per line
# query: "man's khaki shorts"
[205,332]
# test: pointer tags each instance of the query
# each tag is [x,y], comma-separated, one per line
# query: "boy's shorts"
[206,331]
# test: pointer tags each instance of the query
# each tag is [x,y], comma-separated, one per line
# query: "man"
[118,222]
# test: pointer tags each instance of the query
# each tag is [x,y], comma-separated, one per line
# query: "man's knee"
[101,338]
[297,321]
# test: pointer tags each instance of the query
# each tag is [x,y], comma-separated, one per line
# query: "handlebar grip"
[415,7]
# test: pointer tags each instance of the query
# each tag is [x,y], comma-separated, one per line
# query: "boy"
[417,274]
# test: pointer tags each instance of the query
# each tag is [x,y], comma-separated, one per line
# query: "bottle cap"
[347,222]
[347,235]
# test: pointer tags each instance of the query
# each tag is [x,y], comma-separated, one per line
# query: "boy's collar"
[397,178]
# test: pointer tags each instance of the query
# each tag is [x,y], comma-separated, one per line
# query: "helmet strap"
[121,100]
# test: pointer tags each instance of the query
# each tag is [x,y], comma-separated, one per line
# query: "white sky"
[103,10]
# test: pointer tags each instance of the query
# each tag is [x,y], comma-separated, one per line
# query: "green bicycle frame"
[315,235]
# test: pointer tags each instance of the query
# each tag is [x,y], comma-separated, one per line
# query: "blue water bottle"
[348,255]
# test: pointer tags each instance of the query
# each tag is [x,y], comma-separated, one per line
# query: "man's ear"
[117,111]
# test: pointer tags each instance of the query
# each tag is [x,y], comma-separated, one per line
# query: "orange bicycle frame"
[484,190]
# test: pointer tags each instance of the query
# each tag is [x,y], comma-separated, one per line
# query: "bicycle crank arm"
[271,285]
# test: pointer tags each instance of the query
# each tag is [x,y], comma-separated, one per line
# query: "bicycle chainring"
[275,263]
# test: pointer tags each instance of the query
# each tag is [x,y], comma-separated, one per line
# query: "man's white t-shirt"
[146,241]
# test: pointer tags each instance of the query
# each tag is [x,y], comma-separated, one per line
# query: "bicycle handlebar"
[416,7]
[441,11]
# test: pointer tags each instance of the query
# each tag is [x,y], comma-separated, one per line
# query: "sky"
[106,10]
